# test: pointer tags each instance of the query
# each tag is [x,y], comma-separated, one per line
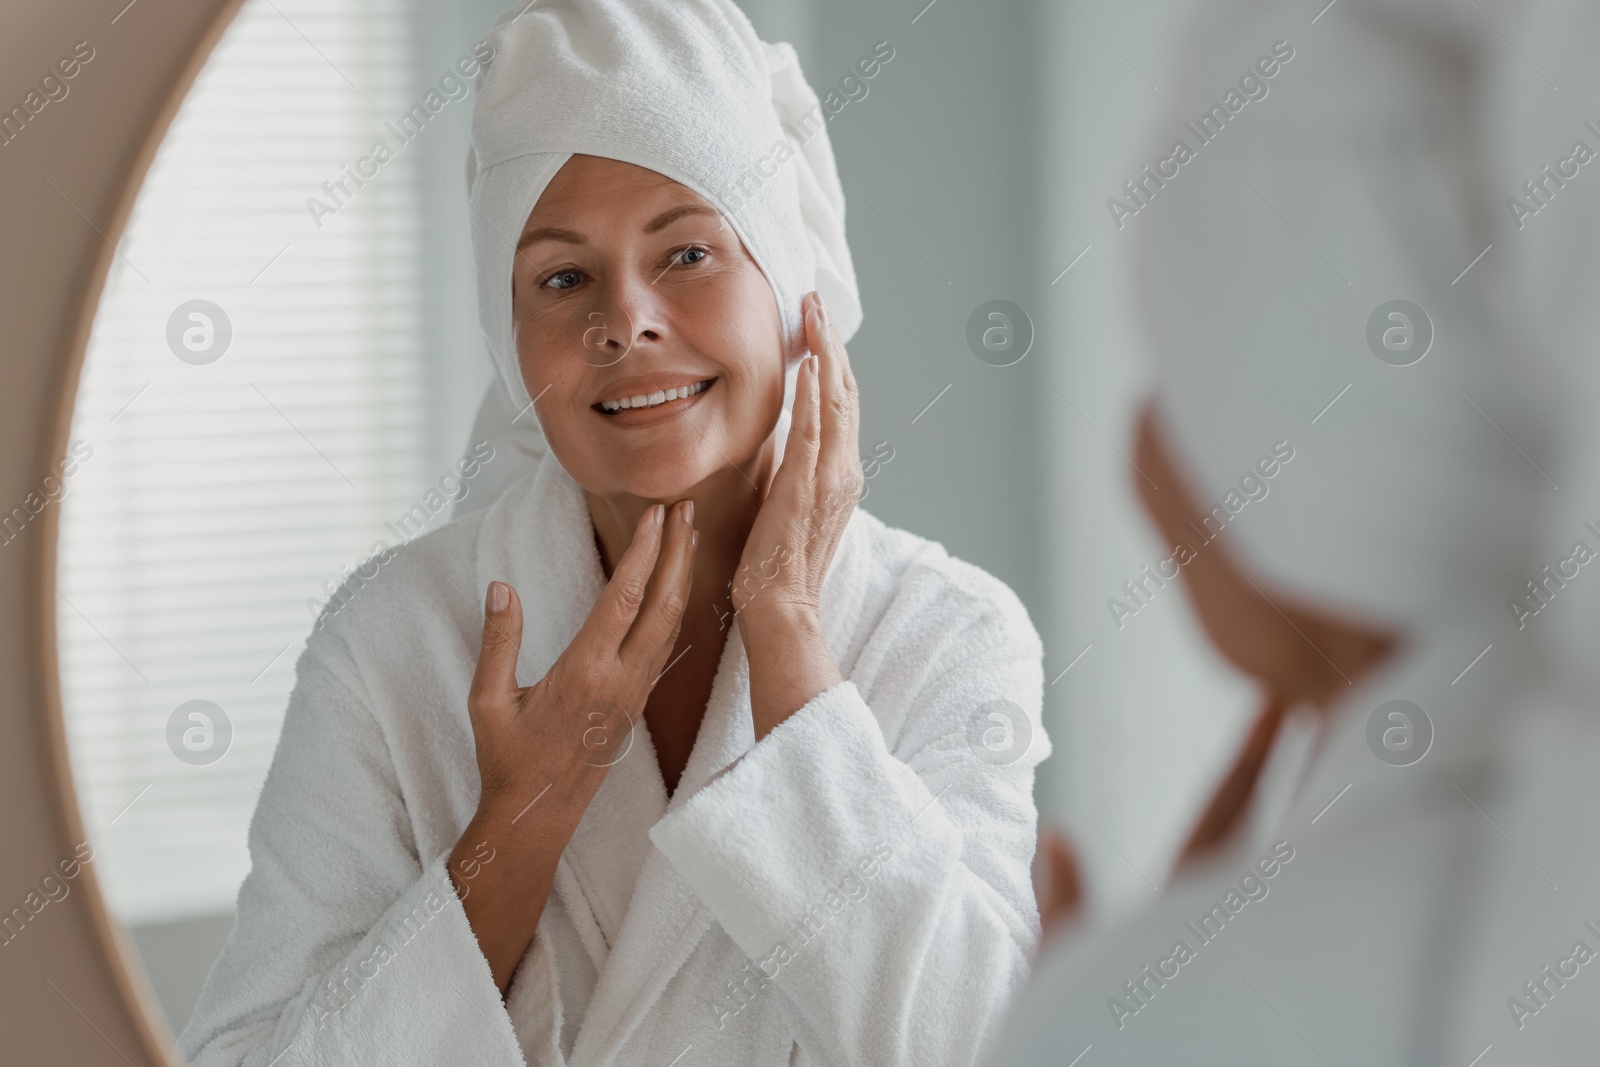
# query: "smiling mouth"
[652,400]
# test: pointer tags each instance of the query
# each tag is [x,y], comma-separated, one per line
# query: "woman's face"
[1299,652]
[626,287]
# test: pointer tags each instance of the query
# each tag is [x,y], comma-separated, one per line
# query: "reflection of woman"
[765,824]
[1390,897]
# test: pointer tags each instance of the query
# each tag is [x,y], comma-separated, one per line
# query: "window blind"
[222,494]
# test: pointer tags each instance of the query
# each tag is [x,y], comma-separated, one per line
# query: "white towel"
[1402,505]
[870,856]
[684,88]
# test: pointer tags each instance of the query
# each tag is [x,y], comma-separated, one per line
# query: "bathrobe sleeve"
[348,947]
[881,890]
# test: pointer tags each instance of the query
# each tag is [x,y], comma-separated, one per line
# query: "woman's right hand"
[544,749]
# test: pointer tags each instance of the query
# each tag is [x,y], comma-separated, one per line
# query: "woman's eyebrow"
[673,214]
[551,233]
[572,237]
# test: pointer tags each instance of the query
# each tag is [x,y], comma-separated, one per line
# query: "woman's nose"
[627,310]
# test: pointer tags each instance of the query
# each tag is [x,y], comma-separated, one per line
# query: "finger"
[613,614]
[1061,893]
[650,641]
[837,398]
[805,424]
[832,359]
[494,689]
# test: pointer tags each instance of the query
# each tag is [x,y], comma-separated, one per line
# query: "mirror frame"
[72,986]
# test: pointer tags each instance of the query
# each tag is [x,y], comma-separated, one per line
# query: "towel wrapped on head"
[684,88]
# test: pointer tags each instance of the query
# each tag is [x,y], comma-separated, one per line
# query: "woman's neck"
[725,507]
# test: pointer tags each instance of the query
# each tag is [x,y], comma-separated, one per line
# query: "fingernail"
[658,512]
[822,310]
[688,512]
[499,596]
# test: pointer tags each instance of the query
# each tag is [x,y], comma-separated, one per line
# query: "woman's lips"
[642,416]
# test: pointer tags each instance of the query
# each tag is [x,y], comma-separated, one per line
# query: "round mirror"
[284,364]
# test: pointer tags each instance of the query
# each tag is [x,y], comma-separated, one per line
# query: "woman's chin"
[670,467]
[665,479]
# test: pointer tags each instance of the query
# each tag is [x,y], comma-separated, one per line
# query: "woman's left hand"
[815,488]
[777,588]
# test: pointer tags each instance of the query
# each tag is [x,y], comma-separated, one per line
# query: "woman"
[714,776]
[1419,888]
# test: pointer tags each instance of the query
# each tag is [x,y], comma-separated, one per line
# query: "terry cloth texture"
[684,88]
[853,889]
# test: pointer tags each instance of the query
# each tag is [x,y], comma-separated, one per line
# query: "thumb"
[494,682]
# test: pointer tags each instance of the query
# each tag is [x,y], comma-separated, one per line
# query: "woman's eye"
[563,279]
[692,254]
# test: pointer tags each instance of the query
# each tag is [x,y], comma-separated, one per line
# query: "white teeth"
[650,400]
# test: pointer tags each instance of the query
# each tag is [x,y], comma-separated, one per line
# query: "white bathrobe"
[870,857]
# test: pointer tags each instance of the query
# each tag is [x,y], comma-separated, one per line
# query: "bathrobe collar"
[638,919]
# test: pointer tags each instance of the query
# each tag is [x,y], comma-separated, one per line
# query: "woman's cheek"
[540,345]
[554,394]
